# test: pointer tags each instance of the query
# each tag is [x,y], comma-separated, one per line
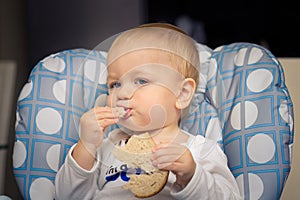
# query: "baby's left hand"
[176,158]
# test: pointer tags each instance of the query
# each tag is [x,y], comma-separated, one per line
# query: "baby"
[153,72]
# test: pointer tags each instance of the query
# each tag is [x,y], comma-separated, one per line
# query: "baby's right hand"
[92,126]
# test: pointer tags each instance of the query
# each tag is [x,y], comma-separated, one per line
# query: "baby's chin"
[136,130]
[132,122]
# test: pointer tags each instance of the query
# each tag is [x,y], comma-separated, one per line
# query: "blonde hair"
[161,36]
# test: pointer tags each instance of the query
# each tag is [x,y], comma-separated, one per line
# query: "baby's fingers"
[166,154]
[104,113]
[104,123]
[168,150]
[163,161]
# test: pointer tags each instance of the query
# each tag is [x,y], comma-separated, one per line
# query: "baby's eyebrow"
[144,69]
[112,76]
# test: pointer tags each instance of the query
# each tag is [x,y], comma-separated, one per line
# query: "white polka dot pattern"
[103,74]
[19,154]
[251,113]
[283,110]
[59,91]
[52,156]
[49,121]
[256,186]
[54,64]
[240,57]
[42,188]
[240,183]
[261,148]
[17,119]
[259,80]
[26,90]
[255,55]
[90,68]
[235,118]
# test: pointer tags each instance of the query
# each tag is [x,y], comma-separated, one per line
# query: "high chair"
[242,89]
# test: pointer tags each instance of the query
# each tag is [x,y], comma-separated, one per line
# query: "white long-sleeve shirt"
[212,178]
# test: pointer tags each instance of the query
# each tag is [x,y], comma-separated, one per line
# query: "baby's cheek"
[158,112]
[145,119]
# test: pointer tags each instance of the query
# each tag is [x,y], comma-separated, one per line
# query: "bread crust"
[147,185]
[136,153]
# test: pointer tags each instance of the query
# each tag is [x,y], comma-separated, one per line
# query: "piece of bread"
[119,112]
[136,154]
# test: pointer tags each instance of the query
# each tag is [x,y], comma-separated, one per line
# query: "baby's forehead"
[157,39]
[142,67]
[145,61]
[151,55]
[144,57]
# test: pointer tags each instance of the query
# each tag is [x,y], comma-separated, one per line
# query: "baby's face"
[146,85]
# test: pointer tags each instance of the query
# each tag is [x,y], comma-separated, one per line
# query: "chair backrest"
[242,89]
[256,112]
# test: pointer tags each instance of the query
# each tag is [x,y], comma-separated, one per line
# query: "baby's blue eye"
[141,81]
[115,85]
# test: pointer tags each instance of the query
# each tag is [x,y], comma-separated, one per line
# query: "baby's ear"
[185,96]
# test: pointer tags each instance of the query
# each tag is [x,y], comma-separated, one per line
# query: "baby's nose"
[125,92]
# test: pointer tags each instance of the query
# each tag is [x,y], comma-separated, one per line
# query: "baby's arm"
[74,182]
[92,126]
[78,176]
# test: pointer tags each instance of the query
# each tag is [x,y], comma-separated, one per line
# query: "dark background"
[72,24]
[269,23]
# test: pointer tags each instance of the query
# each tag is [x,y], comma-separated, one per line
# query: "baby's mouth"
[127,113]
[123,112]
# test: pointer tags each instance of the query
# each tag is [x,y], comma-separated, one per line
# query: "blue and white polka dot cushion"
[62,87]
[59,90]
[246,85]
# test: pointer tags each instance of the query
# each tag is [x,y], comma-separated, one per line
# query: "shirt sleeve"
[212,178]
[74,182]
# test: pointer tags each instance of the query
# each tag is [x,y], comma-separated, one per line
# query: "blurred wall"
[13,47]
[291,68]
